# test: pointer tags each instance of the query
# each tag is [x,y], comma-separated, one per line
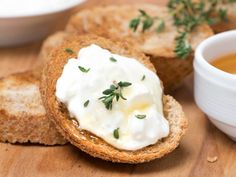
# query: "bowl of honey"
[215,80]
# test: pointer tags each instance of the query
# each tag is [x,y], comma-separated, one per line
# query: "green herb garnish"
[147,22]
[114,92]
[86,103]
[83,69]
[143,78]
[140,116]
[113,59]
[116,133]
[70,51]
[223,14]
[182,48]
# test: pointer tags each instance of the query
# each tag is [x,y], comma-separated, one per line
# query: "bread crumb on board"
[212,159]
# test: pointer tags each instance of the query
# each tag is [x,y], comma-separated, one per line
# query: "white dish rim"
[70,5]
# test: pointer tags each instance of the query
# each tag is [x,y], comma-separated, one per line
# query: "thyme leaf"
[84,70]
[140,116]
[70,51]
[143,78]
[113,59]
[116,133]
[86,103]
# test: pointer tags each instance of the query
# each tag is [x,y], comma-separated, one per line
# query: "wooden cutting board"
[189,159]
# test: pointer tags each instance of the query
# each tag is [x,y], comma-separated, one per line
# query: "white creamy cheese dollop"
[143,97]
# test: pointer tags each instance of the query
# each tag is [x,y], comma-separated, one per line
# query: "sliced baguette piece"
[22,115]
[113,22]
[85,140]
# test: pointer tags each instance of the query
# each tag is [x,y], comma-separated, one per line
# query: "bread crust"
[51,42]
[88,142]
[22,115]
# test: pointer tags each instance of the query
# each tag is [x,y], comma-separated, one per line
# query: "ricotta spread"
[134,121]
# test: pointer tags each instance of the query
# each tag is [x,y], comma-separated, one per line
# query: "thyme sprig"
[182,48]
[147,22]
[190,13]
[187,15]
[114,92]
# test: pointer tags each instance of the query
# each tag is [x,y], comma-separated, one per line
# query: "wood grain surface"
[189,159]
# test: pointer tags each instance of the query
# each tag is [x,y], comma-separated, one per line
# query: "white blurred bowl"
[215,90]
[33,26]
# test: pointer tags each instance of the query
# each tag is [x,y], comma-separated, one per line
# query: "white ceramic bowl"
[215,90]
[32,26]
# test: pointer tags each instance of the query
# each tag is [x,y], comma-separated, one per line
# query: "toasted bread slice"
[113,22]
[85,140]
[22,115]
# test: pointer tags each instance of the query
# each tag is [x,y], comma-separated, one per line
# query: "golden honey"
[226,63]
